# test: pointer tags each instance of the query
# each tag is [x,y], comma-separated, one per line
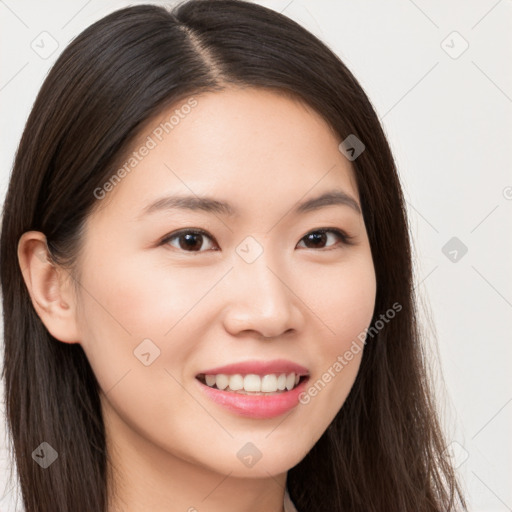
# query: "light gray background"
[448,117]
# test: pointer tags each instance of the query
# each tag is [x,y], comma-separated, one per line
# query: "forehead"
[254,146]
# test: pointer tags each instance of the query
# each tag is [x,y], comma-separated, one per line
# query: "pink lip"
[259,368]
[255,406]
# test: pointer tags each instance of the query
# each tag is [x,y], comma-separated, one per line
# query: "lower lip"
[256,406]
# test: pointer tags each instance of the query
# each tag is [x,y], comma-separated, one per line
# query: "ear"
[50,287]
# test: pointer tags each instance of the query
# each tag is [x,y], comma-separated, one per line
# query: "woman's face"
[259,286]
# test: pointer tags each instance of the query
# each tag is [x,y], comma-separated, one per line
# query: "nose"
[261,299]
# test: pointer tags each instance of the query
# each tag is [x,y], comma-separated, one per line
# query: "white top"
[288,504]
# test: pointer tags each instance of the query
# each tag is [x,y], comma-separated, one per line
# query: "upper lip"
[258,368]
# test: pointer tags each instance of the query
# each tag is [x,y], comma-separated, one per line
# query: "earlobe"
[49,287]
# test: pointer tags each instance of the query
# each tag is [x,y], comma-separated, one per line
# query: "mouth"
[253,384]
[255,389]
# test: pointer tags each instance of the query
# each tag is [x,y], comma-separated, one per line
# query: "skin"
[174,449]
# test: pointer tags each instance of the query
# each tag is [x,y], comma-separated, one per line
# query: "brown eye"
[193,240]
[188,240]
[318,238]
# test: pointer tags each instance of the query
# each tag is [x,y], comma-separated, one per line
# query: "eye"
[192,240]
[189,240]
[320,236]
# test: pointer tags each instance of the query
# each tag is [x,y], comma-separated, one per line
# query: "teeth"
[252,383]
[236,382]
[221,381]
[281,382]
[290,381]
[269,383]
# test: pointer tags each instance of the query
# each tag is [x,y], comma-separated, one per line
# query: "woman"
[207,285]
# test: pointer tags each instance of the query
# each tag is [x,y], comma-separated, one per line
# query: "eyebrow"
[211,205]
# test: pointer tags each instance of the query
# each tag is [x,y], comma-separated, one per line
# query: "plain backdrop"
[436,73]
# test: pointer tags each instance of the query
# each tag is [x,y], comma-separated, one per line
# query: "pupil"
[316,237]
[191,238]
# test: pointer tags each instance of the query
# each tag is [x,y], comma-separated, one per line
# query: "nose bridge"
[261,299]
[258,268]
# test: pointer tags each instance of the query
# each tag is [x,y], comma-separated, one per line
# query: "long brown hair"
[384,451]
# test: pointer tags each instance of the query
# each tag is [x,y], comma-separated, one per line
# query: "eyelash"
[344,237]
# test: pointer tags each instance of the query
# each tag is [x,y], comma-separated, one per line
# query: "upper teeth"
[267,383]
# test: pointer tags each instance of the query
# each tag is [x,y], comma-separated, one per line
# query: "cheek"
[122,306]
[345,304]
[355,303]
[131,301]
[343,300]
[124,309]
[147,298]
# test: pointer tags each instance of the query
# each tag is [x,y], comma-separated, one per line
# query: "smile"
[252,383]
